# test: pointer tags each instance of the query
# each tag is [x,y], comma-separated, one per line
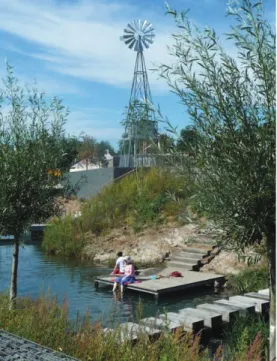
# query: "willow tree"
[231,102]
[31,134]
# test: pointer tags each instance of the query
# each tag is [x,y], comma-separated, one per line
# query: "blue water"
[74,281]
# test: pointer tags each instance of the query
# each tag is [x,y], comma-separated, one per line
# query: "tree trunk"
[272,291]
[13,286]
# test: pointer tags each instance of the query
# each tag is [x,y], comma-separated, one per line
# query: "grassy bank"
[47,323]
[142,199]
[251,279]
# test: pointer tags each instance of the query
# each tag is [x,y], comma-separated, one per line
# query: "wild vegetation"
[45,322]
[143,198]
[231,101]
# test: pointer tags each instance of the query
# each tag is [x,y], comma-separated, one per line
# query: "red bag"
[175,274]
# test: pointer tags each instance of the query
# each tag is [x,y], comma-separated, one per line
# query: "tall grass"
[45,322]
[144,198]
[251,279]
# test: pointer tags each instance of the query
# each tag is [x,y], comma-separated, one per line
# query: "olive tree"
[231,102]
[31,134]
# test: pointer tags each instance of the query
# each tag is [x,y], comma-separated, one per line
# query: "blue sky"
[71,48]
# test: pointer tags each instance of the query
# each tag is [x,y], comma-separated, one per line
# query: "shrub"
[64,237]
[45,322]
[144,198]
[249,280]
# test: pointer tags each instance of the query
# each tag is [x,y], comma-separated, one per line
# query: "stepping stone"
[192,322]
[132,331]
[264,292]
[163,324]
[261,306]
[257,295]
[229,314]
[211,319]
[235,305]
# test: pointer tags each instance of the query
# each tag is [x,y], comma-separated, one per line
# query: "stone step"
[193,322]
[197,250]
[242,307]
[257,295]
[264,292]
[196,256]
[163,325]
[261,306]
[228,314]
[182,265]
[211,319]
[203,239]
[133,331]
[186,260]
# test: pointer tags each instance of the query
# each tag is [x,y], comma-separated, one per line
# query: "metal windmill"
[141,127]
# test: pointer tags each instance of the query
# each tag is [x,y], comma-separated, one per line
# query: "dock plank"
[165,285]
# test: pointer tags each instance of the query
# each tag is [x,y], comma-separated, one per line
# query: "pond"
[74,280]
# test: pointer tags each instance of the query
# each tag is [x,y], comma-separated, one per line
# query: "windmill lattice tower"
[141,126]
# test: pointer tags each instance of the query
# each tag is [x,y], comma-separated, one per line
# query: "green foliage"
[245,332]
[140,199]
[64,237]
[31,150]
[232,103]
[45,322]
[251,279]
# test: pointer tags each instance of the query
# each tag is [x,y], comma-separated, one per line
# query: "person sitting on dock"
[119,267]
[129,275]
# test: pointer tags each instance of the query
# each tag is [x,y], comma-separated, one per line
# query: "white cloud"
[82,39]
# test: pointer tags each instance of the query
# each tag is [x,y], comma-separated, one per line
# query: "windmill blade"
[144,43]
[145,25]
[128,37]
[129,40]
[138,46]
[132,43]
[148,30]
[127,31]
[132,28]
[138,35]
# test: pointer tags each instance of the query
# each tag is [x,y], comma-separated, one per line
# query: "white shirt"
[121,264]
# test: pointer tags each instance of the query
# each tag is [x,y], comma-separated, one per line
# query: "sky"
[72,49]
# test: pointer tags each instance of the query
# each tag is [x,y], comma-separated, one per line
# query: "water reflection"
[75,281]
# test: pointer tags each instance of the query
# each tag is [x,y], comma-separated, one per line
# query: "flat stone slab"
[257,295]
[17,348]
[229,314]
[167,285]
[132,331]
[236,305]
[264,292]
[211,319]
[193,322]
[261,306]
[163,324]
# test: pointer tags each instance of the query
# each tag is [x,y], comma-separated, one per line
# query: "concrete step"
[133,331]
[228,314]
[198,250]
[163,325]
[257,295]
[242,307]
[264,292]
[261,306]
[194,322]
[178,265]
[211,319]
[196,256]
[186,260]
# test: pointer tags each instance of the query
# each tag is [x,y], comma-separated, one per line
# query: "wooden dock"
[166,285]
